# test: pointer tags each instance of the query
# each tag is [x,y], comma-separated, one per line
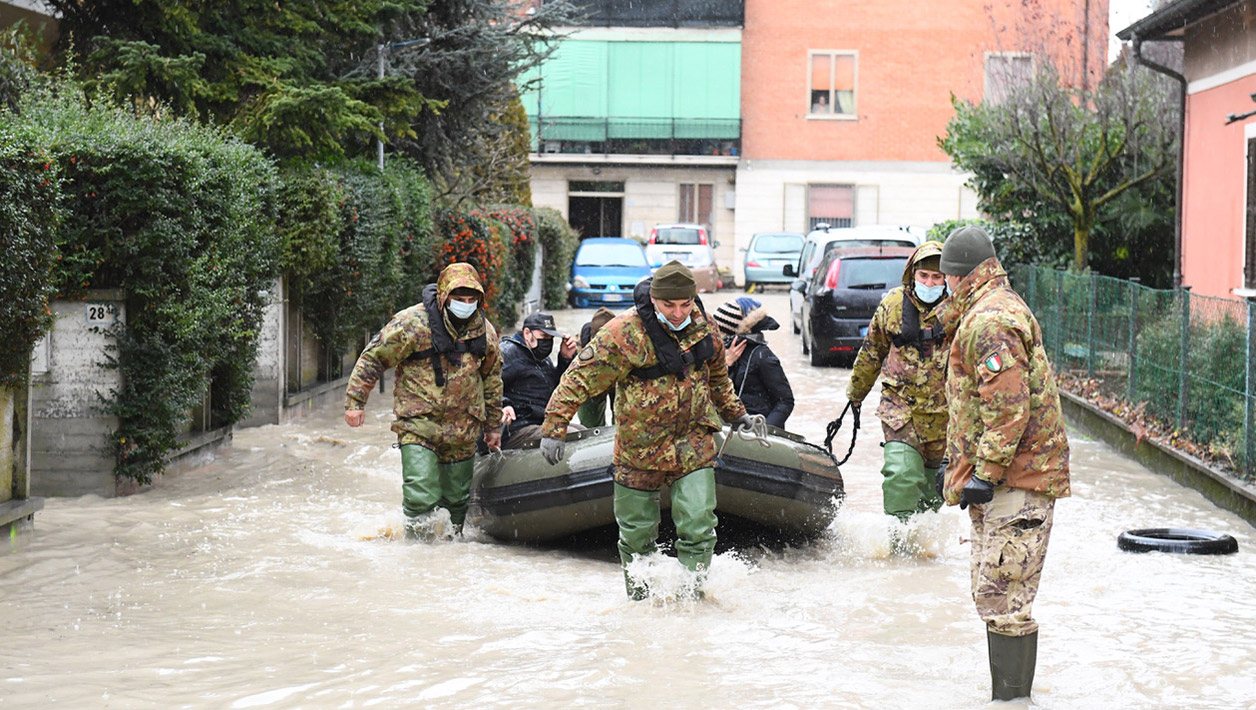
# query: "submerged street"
[272,577]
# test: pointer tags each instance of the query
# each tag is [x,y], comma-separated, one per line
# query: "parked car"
[605,270]
[688,244]
[841,297]
[768,255]
[824,239]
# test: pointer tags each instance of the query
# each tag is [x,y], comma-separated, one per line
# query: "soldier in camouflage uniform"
[1009,456]
[448,390]
[907,346]
[672,393]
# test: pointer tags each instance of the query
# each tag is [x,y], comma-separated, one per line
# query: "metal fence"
[1188,361]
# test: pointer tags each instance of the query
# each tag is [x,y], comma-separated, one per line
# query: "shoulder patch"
[994,363]
[587,354]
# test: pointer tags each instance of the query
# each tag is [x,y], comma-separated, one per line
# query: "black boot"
[1012,661]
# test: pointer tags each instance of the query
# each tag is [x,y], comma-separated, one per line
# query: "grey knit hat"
[965,248]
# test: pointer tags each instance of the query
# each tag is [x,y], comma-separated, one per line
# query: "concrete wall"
[266,402]
[69,447]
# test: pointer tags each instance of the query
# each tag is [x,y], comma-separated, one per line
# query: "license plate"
[863,331]
[616,298]
[678,255]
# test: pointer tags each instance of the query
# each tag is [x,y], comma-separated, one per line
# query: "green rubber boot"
[1012,663]
[637,515]
[420,487]
[693,511]
[455,490]
[906,484]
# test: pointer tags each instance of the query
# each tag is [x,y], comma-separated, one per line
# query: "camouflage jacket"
[913,377]
[467,404]
[663,424]
[1006,425]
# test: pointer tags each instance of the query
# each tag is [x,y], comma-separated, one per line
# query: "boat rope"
[836,425]
[757,431]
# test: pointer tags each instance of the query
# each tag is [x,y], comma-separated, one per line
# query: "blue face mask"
[929,294]
[668,323]
[462,310]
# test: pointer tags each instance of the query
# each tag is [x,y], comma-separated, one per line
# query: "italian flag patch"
[994,363]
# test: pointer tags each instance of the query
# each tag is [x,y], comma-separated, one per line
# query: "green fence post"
[1059,316]
[1131,378]
[1249,413]
[1185,359]
[1033,288]
[1092,307]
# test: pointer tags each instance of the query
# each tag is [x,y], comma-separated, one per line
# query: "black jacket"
[760,382]
[527,382]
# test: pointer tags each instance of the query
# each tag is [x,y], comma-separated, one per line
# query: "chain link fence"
[1165,360]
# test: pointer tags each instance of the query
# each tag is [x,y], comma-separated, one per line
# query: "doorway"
[596,209]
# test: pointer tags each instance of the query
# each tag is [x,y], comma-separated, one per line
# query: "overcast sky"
[1122,14]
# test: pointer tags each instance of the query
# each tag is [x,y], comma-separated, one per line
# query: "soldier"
[529,376]
[1008,451]
[593,412]
[447,392]
[671,391]
[907,347]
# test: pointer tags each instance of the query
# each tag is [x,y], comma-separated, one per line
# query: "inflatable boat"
[779,482]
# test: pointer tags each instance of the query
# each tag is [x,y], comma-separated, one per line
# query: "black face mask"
[543,348]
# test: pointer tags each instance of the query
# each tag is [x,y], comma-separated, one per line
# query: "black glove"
[552,450]
[939,478]
[976,492]
[745,421]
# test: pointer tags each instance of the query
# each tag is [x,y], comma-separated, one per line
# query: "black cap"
[542,322]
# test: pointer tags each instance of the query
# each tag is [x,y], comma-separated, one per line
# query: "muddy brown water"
[270,578]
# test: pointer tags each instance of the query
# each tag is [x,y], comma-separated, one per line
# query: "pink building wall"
[1213,183]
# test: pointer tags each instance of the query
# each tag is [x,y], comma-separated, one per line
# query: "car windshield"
[868,242]
[777,243]
[871,272]
[677,235]
[610,255]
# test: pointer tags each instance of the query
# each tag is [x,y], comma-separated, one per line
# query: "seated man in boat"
[756,372]
[593,412]
[673,394]
[529,376]
[447,393]
[907,346]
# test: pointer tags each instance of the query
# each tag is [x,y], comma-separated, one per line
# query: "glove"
[939,478]
[745,421]
[976,492]
[552,450]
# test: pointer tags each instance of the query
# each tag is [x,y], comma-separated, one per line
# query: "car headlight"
[580,282]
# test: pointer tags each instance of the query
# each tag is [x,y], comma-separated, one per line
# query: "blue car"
[605,271]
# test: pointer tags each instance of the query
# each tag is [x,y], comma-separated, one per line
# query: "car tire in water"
[1182,540]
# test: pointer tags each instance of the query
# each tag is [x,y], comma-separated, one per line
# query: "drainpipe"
[1181,80]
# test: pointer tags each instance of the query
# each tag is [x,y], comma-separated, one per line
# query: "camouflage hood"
[457,275]
[924,251]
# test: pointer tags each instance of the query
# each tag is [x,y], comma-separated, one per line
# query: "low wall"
[1223,489]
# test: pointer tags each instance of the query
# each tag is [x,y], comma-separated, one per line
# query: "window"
[1004,72]
[833,205]
[831,83]
[695,204]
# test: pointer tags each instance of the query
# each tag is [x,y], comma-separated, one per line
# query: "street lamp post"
[383,49]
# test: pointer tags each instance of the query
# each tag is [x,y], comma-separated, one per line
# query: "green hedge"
[560,242]
[30,210]
[180,217]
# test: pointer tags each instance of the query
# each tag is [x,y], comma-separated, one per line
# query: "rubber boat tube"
[790,486]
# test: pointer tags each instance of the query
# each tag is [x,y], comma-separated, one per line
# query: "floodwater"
[270,578]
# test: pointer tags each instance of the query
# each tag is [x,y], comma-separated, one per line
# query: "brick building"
[834,117]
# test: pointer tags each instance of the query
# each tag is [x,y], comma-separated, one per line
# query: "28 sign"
[102,313]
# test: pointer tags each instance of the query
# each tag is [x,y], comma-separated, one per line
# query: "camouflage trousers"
[931,450]
[1009,540]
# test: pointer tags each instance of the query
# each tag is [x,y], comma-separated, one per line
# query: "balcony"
[588,135]
[660,13]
